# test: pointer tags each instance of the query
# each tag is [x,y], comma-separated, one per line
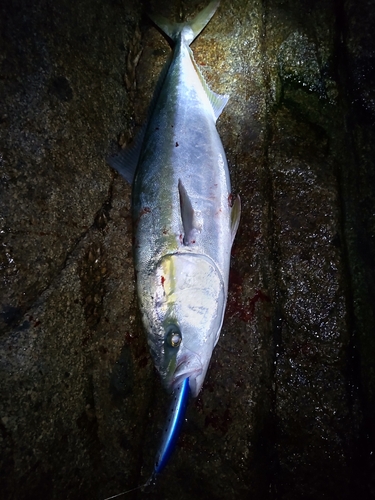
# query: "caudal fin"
[189,29]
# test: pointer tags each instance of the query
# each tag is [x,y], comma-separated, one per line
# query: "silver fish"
[184,217]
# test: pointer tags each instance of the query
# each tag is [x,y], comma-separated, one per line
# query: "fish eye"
[173,337]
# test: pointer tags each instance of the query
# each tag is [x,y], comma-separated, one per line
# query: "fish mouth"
[189,367]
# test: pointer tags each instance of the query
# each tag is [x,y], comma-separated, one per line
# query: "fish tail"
[188,30]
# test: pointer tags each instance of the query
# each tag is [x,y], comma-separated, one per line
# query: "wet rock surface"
[288,407]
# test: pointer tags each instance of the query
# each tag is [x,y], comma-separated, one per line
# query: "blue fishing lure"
[176,416]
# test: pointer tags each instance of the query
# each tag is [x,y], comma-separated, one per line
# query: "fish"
[184,216]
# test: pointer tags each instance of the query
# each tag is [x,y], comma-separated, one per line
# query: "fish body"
[184,219]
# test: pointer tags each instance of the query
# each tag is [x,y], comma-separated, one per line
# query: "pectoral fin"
[188,216]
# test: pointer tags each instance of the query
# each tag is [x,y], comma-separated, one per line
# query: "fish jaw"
[189,367]
[185,317]
[194,369]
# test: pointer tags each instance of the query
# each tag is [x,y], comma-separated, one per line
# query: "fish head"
[189,301]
